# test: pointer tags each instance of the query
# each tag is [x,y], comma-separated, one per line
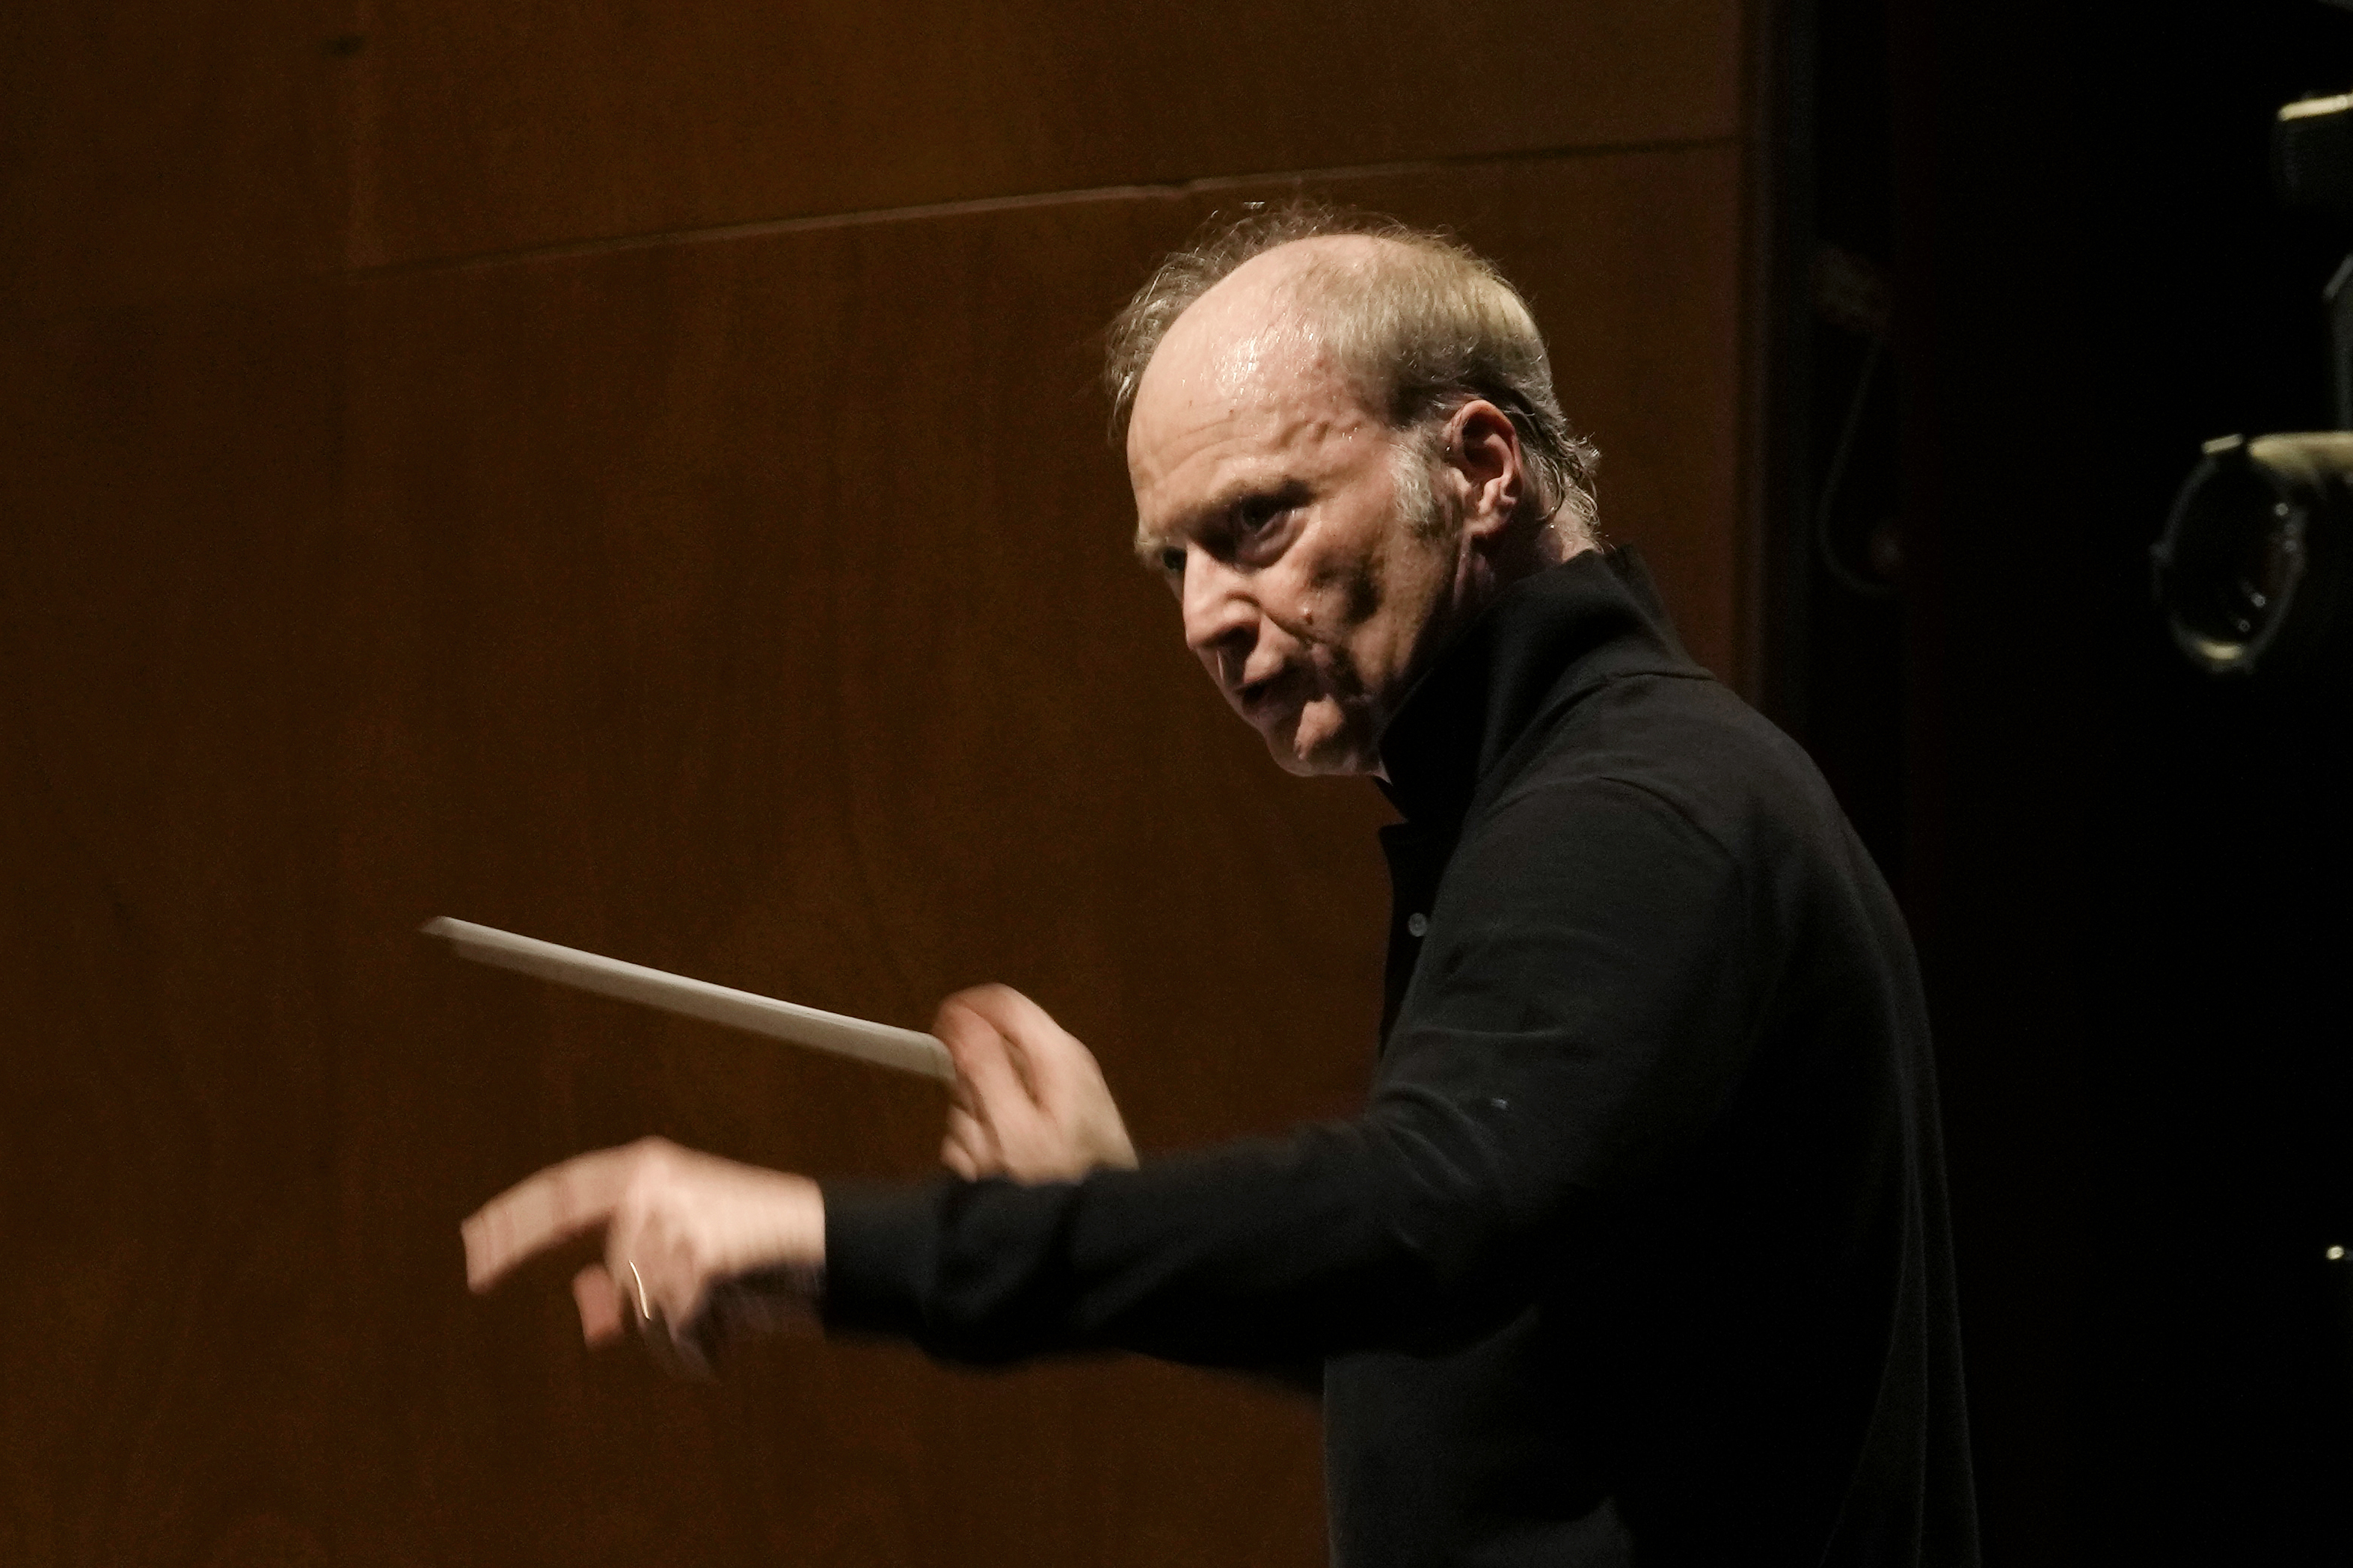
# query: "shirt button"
[1417,924]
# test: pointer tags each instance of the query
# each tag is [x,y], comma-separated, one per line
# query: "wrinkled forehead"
[1242,400]
[1254,370]
[1248,366]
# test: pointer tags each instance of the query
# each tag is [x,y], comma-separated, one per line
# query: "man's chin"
[1290,761]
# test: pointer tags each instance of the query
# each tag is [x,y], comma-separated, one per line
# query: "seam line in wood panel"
[1174,190]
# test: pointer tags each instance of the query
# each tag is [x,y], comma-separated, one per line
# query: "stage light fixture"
[2249,568]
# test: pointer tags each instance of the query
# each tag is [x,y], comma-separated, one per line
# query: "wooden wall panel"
[146,154]
[752,601]
[167,485]
[614,118]
[153,151]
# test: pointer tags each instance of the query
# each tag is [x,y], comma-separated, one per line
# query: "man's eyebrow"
[1288,491]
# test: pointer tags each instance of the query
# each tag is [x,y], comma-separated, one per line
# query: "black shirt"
[1638,1252]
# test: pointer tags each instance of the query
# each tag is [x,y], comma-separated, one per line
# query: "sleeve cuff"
[881,1256]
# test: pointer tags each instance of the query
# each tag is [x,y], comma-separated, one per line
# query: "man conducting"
[1638,1253]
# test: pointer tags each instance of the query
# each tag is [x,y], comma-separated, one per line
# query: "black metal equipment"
[2249,569]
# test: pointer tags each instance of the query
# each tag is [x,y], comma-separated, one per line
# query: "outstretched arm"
[1584,1004]
[681,1229]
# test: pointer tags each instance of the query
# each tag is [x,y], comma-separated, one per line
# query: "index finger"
[556,1205]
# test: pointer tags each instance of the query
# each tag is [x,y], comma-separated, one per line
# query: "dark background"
[2127,879]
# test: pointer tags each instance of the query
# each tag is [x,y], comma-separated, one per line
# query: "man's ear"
[1482,446]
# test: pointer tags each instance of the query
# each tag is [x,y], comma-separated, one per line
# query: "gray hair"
[1424,329]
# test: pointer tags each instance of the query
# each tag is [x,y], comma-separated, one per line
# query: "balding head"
[1418,325]
[1274,310]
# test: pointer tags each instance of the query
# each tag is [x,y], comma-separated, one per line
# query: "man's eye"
[1172,562]
[1255,517]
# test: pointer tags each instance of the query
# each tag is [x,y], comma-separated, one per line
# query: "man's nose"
[1220,618]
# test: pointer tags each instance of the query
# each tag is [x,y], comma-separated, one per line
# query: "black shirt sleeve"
[1592,973]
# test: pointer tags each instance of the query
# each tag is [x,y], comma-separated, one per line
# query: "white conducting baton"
[905,1049]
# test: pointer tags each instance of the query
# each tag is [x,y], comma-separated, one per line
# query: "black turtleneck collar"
[1547,640]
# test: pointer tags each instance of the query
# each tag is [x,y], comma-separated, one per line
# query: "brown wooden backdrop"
[631,474]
